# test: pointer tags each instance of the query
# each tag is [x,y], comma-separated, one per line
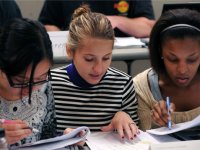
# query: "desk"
[129,55]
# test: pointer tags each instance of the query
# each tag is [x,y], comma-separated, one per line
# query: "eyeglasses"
[27,84]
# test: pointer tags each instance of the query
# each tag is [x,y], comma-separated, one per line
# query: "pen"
[169,123]
[11,122]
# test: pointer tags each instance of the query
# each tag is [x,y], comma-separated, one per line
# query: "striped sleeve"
[129,100]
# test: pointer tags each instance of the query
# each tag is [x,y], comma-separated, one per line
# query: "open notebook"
[57,142]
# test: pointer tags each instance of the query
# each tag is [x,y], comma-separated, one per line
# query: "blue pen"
[168,111]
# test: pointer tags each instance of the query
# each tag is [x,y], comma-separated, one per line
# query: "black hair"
[8,10]
[23,42]
[173,24]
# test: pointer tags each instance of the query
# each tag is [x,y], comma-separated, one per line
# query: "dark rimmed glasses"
[27,84]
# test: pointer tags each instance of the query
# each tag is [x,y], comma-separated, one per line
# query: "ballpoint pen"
[169,123]
[12,122]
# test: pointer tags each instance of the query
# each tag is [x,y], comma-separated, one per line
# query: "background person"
[128,18]
[8,10]
[175,57]
[88,92]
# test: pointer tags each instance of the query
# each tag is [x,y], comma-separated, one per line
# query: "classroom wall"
[31,9]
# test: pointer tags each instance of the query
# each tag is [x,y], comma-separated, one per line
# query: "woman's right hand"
[160,114]
[15,130]
[68,130]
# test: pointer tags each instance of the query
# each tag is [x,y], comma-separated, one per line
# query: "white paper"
[111,141]
[176,127]
[57,142]
[181,145]
[59,40]
[125,42]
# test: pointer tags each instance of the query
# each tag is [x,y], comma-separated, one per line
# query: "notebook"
[177,127]
[189,5]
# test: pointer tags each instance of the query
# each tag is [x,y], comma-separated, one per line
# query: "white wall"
[30,8]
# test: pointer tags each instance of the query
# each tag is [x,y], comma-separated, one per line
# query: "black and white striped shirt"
[94,106]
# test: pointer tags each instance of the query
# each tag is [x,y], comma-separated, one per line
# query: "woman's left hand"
[123,124]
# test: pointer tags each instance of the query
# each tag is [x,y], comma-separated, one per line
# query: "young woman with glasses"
[26,98]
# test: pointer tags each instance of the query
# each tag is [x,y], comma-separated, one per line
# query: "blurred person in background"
[128,17]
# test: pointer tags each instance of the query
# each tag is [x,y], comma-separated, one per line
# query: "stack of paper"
[111,141]
[57,142]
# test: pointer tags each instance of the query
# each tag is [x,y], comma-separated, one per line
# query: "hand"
[159,113]
[68,130]
[15,130]
[124,125]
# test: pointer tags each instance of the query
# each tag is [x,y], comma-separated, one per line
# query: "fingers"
[15,136]
[134,129]
[128,130]
[156,118]
[108,128]
[120,131]
[172,107]
[68,130]
[5,122]
[82,143]
[19,132]
[13,127]
[131,131]
[15,130]
[124,125]
[160,114]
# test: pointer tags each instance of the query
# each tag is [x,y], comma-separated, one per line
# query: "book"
[177,127]
[57,142]
[112,141]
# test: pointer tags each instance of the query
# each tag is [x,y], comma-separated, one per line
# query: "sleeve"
[144,113]
[52,13]
[145,100]
[141,8]
[49,126]
[129,101]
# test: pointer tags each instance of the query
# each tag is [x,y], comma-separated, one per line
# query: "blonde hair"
[86,24]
